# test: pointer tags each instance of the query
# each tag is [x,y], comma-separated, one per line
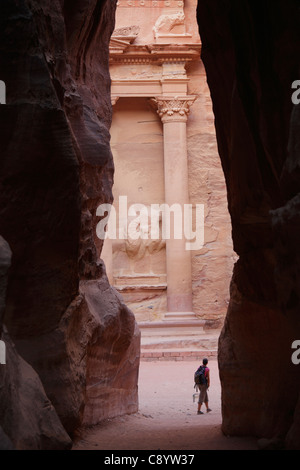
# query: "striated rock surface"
[251,54]
[89,363]
[5,442]
[27,416]
[5,262]
[28,419]
[111,375]
[56,167]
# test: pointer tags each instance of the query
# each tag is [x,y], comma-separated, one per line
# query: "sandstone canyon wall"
[79,340]
[251,54]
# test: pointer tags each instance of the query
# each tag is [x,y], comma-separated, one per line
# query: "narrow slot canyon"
[115,115]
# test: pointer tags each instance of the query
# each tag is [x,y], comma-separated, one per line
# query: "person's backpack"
[199,376]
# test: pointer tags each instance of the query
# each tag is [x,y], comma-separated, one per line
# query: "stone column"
[174,113]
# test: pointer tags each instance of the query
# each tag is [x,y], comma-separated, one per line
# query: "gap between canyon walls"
[251,55]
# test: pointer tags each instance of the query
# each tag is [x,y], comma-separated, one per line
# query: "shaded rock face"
[56,167]
[5,262]
[26,413]
[28,419]
[251,54]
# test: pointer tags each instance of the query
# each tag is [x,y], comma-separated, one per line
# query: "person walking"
[203,388]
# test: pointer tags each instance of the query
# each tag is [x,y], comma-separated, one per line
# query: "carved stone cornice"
[175,108]
[150,4]
[121,51]
[122,38]
[127,31]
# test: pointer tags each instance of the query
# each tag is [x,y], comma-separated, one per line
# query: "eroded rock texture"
[28,419]
[56,167]
[251,55]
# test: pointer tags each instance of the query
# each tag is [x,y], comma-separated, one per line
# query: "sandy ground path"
[167,417]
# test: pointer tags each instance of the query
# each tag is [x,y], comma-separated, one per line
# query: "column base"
[181,316]
[179,303]
[179,336]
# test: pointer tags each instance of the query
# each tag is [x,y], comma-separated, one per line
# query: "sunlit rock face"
[154,59]
[56,167]
[251,54]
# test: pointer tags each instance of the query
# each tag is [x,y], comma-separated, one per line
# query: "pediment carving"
[127,31]
[123,37]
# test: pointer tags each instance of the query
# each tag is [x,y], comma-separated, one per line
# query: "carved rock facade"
[163,124]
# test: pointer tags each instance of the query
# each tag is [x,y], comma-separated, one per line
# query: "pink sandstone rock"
[27,416]
[155,56]
[28,419]
[56,168]
[251,57]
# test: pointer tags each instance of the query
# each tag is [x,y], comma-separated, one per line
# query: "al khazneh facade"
[163,141]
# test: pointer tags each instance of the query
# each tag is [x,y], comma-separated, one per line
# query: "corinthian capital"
[173,108]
